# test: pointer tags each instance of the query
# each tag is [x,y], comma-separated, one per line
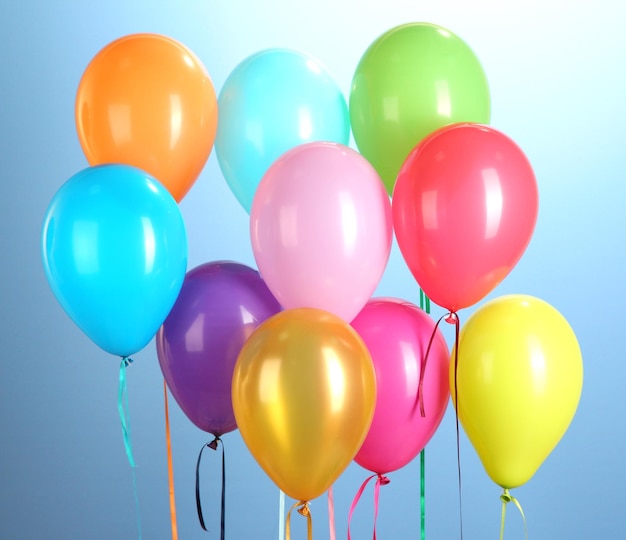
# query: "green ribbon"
[425,306]
[506,498]
[122,407]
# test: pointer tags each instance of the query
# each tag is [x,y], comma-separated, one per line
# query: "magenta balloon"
[397,334]
[219,306]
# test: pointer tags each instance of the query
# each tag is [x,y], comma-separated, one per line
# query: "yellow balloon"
[519,379]
[304,392]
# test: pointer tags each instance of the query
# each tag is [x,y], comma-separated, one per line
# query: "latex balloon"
[412,80]
[304,393]
[464,210]
[147,100]
[321,229]
[272,101]
[219,306]
[114,250]
[519,379]
[397,334]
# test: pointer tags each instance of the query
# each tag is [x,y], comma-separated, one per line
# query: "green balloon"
[413,80]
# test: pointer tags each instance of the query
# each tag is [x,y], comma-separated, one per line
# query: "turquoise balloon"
[273,101]
[114,251]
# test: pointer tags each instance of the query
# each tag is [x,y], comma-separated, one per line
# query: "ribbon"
[281,515]
[381,480]
[213,446]
[423,494]
[450,318]
[424,301]
[424,305]
[331,514]
[170,466]
[122,407]
[506,498]
[303,510]
[453,318]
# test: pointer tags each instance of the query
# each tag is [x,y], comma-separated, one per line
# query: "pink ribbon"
[381,480]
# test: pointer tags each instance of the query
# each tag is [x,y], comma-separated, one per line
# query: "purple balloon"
[219,306]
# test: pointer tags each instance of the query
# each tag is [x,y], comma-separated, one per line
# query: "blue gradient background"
[557,76]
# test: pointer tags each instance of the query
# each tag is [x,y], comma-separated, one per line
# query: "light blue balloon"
[114,250]
[273,101]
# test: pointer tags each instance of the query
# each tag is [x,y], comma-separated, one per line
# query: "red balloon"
[464,209]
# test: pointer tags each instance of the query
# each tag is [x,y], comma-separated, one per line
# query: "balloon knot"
[303,510]
[383,480]
[213,444]
[506,497]
[452,318]
[127,361]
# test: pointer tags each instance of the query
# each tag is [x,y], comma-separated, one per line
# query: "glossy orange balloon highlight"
[304,392]
[146,100]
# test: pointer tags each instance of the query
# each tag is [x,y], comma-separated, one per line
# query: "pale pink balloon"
[321,229]
[397,334]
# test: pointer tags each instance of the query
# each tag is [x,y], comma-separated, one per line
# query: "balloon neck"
[127,361]
[303,510]
[383,480]
[452,318]
[213,444]
[506,497]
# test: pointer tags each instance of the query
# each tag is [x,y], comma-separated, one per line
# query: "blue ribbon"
[122,407]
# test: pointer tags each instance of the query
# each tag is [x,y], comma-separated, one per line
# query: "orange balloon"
[304,393]
[146,100]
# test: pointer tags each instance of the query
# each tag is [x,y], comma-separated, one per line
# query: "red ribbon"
[381,480]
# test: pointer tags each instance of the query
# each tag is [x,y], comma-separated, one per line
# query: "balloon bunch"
[299,356]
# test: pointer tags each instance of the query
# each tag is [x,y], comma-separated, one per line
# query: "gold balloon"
[519,380]
[304,392]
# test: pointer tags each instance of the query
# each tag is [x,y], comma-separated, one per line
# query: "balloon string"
[454,319]
[170,466]
[420,386]
[303,509]
[423,494]
[424,302]
[331,514]
[380,481]
[424,305]
[213,446]
[281,516]
[122,407]
[506,498]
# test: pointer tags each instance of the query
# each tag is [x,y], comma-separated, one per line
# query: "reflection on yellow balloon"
[519,380]
[304,392]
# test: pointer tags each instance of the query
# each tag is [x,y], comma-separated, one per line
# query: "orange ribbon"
[170,467]
[303,509]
